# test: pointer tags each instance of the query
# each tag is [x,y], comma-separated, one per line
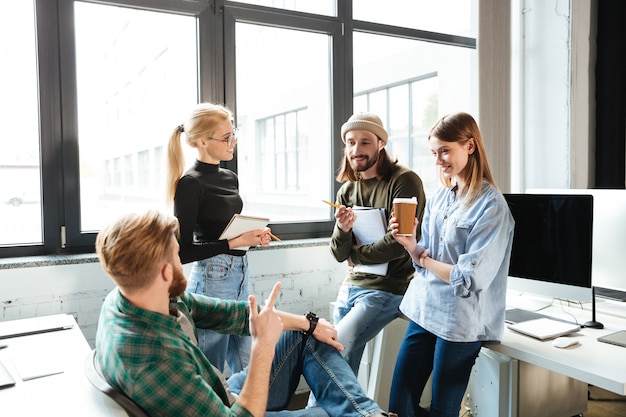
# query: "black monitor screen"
[553,238]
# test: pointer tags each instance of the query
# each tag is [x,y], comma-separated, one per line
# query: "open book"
[240,223]
[369,227]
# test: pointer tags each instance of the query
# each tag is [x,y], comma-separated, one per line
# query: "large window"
[134,82]
[102,85]
[284,112]
[20,174]
[409,84]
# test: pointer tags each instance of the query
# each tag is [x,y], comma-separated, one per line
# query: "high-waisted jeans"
[226,277]
[420,354]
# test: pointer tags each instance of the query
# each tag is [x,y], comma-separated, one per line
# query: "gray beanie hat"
[365,121]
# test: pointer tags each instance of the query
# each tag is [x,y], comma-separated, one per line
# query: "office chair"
[92,371]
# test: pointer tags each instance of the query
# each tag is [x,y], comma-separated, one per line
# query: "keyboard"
[6,380]
[610,293]
[518,315]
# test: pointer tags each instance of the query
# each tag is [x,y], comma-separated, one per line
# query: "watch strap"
[313,319]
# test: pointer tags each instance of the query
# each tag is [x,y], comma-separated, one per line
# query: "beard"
[369,162]
[179,283]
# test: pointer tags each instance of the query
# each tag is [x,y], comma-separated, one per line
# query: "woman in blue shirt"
[457,299]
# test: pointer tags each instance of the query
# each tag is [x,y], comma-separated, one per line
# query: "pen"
[331,204]
[275,238]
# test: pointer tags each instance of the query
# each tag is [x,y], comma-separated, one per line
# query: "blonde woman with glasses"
[205,198]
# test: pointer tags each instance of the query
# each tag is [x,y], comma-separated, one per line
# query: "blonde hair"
[461,127]
[202,122]
[132,248]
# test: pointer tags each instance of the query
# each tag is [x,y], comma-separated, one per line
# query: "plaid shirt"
[149,356]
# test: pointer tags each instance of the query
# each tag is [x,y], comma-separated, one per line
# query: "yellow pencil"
[331,204]
[275,238]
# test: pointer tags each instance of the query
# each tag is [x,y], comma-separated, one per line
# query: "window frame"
[215,21]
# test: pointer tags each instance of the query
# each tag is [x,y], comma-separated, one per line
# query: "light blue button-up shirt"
[477,241]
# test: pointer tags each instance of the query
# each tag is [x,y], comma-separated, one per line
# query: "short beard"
[370,163]
[179,283]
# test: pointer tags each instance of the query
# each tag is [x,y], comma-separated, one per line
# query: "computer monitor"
[609,235]
[551,255]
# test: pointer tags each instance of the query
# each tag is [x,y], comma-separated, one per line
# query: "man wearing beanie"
[367,302]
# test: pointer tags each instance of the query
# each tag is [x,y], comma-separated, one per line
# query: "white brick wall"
[310,278]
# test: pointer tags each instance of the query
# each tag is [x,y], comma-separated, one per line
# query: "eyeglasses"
[231,138]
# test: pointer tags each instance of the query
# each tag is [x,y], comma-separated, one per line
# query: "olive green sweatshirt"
[379,194]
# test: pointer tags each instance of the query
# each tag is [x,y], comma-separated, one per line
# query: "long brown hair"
[384,167]
[202,123]
[461,127]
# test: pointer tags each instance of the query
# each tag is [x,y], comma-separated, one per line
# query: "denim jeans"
[420,354]
[326,372]
[360,313]
[226,277]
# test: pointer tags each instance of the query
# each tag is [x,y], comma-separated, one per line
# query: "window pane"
[409,84]
[284,113]
[325,7]
[432,16]
[20,174]
[135,81]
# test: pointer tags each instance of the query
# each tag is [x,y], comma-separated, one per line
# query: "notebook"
[544,328]
[26,327]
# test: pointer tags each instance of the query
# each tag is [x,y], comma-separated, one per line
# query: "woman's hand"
[345,218]
[408,242]
[258,237]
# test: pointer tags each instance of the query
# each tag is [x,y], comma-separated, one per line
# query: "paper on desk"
[33,368]
[36,361]
[370,226]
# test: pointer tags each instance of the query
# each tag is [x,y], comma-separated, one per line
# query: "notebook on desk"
[26,327]
[544,328]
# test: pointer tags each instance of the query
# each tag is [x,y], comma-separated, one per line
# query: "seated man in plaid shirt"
[146,340]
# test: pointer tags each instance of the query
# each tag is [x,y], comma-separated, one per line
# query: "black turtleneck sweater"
[206,198]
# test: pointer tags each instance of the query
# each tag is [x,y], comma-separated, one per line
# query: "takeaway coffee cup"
[405,210]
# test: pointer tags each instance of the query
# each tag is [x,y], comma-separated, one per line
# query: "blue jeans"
[331,380]
[420,354]
[359,315]
[226,277]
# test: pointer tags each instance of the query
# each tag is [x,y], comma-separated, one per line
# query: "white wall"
[309,274]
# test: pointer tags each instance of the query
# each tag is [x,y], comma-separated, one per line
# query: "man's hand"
[326,333]
[266,325]
[345,218]
[265,328]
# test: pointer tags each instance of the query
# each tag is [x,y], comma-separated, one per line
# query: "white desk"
[65,394]
[596,363]
[524,377]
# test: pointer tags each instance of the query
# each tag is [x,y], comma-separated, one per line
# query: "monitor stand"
[593,324]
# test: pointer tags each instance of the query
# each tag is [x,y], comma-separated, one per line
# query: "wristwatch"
[313,319]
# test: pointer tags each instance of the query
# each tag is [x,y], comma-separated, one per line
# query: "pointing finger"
[271,301]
